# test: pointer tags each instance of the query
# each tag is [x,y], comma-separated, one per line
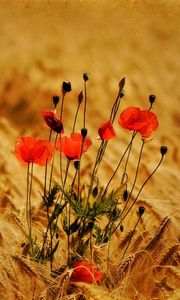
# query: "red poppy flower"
[71,146]
[143,121]
[106,131]
[85,272]
[32,150]
[53,121]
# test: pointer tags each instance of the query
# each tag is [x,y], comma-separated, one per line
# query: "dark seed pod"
[141,210]
[90,225]
[84,132]
[125,195]
[86,76]
[106,239]
[76,164]
[55,100]
[66,87]
[152,99]
[163,150]
[121,227]
[95,191]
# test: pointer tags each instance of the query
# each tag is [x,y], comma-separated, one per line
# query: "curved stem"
[148,178]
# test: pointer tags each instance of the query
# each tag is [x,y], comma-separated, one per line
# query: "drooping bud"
[84,132]
[95,191]
[163,150]
[66,87]
[125,195]
[121,227]
[141,210]
[80,97]
[76,164]
[55,100]
[152,98]
[86,76]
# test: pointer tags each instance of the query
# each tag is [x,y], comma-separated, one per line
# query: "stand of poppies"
[80,213]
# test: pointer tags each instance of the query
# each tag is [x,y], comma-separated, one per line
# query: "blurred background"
[46,42]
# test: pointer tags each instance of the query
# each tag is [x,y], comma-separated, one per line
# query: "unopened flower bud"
[90,225]
[141,210]
[86,76]
[95,191]
[152,99]
[163,150]
[55,100]
[76,164]
[121,227]
[84,132]
[66,87]
[80,97]
[122,83]
[125,195]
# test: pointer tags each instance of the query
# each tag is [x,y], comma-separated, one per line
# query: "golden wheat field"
[46,42]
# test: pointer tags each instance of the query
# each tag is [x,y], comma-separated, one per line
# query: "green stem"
[148,178]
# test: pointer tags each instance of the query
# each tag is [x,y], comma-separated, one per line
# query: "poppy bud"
[90,225]
[122,93]
[106,239]
[121,227]
[95,191]
[76,164]
[163,150]
[152,99]
[122,83]
[86,76]
[80,97]
[141,210]
[84,132]
[125,195]
[55,100]
[66,87]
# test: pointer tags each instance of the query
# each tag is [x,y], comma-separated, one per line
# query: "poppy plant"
[53,121]
[106,131]
[32,150]
[142,121]
[85,272]
[71,146]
